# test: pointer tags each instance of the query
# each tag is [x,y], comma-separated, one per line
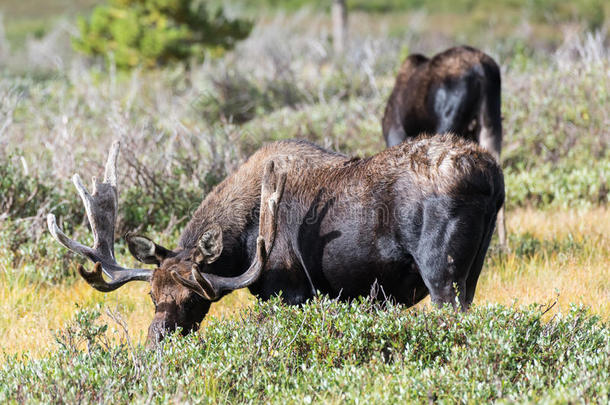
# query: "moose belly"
[355,264]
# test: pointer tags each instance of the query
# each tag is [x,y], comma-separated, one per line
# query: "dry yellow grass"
[581,278]
[29,313]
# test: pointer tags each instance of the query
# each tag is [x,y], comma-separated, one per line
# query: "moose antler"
[101,207]
[211,286]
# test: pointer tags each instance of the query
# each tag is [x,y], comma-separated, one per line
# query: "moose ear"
[209,246]
[145,250]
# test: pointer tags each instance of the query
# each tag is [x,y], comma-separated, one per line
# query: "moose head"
[181,288]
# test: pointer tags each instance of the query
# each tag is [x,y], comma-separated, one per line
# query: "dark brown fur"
[351,225]
[457,91]
[414,108]
[344,225]
[234,202]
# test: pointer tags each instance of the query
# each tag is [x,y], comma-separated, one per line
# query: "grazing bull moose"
[456,91]
[296,219]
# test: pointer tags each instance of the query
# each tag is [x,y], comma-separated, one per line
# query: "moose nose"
[158,329]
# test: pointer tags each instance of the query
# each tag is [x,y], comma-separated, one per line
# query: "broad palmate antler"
[101,207]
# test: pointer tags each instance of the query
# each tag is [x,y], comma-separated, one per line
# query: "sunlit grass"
[556,255]
[31,313]
[561,256]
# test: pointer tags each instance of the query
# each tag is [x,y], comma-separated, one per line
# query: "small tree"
[155,32]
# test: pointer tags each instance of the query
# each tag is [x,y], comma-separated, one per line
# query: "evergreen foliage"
[155,32]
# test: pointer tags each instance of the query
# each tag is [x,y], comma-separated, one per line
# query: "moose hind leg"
[445,254]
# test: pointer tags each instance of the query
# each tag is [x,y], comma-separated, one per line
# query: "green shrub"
[590,11]
[155,32]
[158,205]
[559,186]
[83,329]
[24,196]
[239,98]
[38,258]
[526,245]
[233,97]
[328,351]
[18,192]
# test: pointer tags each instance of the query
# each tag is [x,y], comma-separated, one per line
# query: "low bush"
[23,195]
[38,258]
[334,352]
[559,186]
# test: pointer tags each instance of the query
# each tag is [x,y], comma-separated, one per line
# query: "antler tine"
[87,202]
[101,208]
[61,237]
[110,176]
[82,191]
[211,286]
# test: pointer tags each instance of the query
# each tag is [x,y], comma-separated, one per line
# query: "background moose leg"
[490,133]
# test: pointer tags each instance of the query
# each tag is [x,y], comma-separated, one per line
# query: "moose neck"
[233,204]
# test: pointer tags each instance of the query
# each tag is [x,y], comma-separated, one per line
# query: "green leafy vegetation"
[563,186]
[330,351]
[154,32]
[23,195]
[183,129]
